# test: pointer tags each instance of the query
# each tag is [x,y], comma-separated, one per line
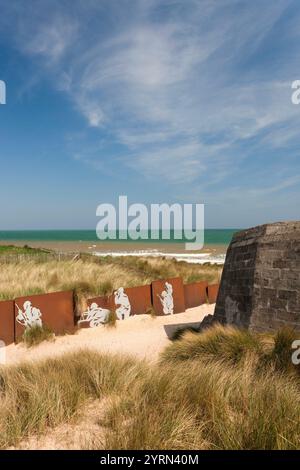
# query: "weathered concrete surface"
[260,285]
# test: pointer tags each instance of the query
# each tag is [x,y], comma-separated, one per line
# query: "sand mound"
[142,336]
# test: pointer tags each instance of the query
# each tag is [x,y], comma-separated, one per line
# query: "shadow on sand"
[176,330]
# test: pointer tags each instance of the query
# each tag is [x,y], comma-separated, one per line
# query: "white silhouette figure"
[94,315]
[122,312]
[31,316]
[166,299]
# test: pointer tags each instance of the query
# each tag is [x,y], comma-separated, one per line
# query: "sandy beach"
[109,246]
[211,253]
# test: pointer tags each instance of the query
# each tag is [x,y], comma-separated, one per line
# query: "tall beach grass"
[91,276]
[220,389]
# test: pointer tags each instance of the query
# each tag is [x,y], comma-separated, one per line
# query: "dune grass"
[208,406]
[112,319]
[92,276]
[37,397]
[229,344]
[234,346]
[36,334]
[220,389]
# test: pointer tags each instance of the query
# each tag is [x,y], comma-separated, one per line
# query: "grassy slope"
[12,250]
[221,389]
[91,276]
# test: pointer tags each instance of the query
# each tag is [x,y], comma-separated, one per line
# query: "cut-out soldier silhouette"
[94,315]
[166,299]
[122,312]
[31,316]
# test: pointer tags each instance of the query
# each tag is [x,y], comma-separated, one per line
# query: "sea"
[216,242]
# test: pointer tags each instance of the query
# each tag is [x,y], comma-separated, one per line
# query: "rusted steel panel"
[195,294]
[55,310]
[105,301]
[139,298]
[97,312]
[124,301]
[7,321]
[212,293]
[168,296]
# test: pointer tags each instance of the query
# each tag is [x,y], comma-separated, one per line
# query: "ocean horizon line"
[94,230]
[211,236]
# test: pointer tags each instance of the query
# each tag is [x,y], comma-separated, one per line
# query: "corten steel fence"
[58,310]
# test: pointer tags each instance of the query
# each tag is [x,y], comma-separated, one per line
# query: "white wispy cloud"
[167,79]
[51,40]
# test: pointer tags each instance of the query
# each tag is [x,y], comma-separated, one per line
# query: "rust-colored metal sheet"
[212,293]
[7,321]
[55,310]
[97,312]
[139,299]
[168,296]
[124,301]
[104,301]
[195,294]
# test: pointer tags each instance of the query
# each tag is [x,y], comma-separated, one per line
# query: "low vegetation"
[20,250]
[38,396]
[37,334]
[91,276]
[235,346]
[220,389]
[230,344]
[112,319]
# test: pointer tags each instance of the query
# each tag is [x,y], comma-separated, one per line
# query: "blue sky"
[160,100]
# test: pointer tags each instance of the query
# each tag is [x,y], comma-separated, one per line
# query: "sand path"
[142,336]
